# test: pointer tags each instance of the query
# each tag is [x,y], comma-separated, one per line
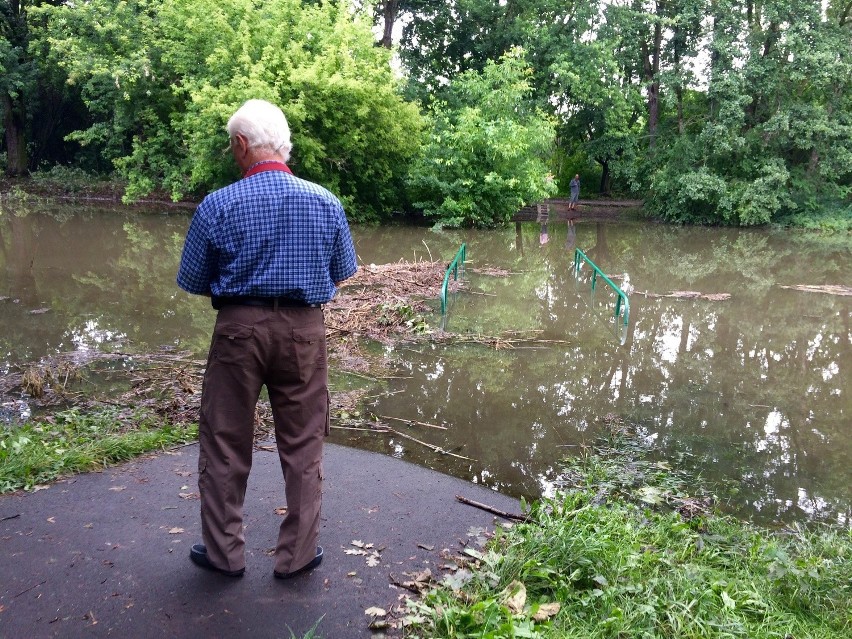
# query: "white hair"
[264,126]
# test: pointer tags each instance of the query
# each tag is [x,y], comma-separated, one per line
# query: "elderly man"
[270,250]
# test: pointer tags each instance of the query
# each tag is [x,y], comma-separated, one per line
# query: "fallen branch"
[688,295]
[494,511]
[830,289]
[432,447]
[413,421]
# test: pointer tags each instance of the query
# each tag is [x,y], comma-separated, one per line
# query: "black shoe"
[313,563]
[198,555]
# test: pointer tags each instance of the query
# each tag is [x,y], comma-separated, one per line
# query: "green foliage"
[161,79]
[488,151]
[74,441]
[625,552]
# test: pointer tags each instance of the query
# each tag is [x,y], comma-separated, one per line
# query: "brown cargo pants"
[284,349]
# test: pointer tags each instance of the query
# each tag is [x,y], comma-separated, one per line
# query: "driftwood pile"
[384,303]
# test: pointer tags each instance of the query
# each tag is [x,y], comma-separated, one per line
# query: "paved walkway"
[107,554]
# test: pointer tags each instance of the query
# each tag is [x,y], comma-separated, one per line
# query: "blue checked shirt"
[268,235]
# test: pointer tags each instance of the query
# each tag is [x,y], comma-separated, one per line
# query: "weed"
[615,555]
[73,441]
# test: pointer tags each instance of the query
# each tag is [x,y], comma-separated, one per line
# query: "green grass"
[72,442]
[626,552]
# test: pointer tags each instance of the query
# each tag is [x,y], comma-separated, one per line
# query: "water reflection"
[752,391]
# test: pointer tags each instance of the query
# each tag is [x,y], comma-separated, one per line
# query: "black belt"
[266,302]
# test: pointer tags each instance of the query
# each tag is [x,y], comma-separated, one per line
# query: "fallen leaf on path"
[52,520]
[426,546]
[373,561]
[175,531]
[118,488]
[376,612]
[188,495]
[281,511]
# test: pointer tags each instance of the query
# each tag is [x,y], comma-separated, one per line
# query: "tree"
[162,78]
[15,82]
[487,155]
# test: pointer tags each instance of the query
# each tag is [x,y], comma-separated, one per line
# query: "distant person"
[574,185]
[270,250]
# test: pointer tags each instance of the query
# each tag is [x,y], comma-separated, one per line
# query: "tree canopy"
[711,111]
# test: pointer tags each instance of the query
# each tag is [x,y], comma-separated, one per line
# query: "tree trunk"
[390,9]
[606,178]
[16,141]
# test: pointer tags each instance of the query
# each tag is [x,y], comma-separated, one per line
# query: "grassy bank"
[74,441]
[627,551]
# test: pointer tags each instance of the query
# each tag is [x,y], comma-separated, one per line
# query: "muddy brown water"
[751,392]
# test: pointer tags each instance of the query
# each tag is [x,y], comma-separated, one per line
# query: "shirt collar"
[266,165]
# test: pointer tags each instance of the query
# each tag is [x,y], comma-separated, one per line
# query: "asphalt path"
[107,554]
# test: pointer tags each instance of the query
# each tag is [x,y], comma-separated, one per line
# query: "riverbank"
[633,548]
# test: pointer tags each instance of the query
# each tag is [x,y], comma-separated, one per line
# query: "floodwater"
[753,392]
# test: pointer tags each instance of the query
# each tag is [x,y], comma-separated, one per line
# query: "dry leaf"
[175,531]
[52,520]
[357,543]
[515,597]
[546,611]
[352,551]
[118,488]
[373,561]
[188,495]
[426,546]
[281,511]
[376,612]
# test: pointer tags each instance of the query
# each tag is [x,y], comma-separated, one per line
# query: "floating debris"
[688,295]
[829,289]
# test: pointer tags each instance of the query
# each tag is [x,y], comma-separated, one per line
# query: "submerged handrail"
[453,268]
[580,257]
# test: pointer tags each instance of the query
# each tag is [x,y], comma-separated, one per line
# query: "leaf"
[515,597]
[352,551]
[118,488]
[726,599]
[375,612]
[357,543]
[175,531]
[281,511]
[650,495]
[373,561]
[546,611]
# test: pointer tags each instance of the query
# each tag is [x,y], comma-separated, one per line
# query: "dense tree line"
[712,111]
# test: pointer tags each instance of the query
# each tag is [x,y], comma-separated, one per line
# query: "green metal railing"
[621,302]
[458,262]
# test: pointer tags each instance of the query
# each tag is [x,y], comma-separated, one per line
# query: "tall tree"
[16,82]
